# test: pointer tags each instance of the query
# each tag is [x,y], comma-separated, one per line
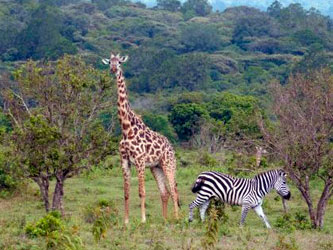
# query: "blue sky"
[324,6]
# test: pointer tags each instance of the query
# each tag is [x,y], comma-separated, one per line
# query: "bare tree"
[303,135]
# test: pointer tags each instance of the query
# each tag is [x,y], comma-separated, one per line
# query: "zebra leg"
[190,216]
[203,209]
[245,210]
[196,203]
[260,213]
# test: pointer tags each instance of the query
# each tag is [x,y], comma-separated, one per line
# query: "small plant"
[46,225]
[207,160]
[290,223]
[57,235]
[283,244]
[102,215]
[67,240]
[212,230]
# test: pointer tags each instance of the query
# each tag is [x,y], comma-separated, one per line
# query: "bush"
[57,235]
[49,223]
[160,124]
[186,117]
[102,215]
[290,222]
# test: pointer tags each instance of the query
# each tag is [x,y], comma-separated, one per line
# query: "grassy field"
[86,190]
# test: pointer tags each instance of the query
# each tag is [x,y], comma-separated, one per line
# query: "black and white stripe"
[248,193]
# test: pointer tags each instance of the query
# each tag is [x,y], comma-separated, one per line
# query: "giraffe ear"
[106,61]
[123,59]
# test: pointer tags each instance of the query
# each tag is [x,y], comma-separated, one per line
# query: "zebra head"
[281,186]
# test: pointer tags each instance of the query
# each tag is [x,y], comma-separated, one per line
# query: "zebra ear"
[105,61]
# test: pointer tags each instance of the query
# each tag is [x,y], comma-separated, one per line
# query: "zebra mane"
[272,171]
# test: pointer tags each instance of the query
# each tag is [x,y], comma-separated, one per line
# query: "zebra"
[248,193]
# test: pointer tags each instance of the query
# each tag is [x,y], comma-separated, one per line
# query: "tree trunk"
[321,207]
[57,203]
[43,183]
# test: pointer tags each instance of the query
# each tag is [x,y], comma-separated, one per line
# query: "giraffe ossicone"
[142,147]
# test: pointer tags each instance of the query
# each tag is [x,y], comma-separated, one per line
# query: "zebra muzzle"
[287,197]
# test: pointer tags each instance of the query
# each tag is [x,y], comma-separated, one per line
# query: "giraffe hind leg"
[161,183]
[168,165]
[140,166]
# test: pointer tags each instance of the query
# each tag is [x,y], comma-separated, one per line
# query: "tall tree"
[171,5]
[302,137]
[196,8]
[56,133]
[42,37]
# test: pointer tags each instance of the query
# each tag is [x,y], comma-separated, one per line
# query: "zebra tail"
[197,185]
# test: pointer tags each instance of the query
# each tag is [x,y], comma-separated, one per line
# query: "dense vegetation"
[201,78]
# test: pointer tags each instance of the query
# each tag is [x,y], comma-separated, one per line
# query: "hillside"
[240,49]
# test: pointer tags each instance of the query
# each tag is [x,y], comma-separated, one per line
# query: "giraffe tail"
[178,199]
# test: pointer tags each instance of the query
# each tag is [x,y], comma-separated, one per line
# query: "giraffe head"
[115,61]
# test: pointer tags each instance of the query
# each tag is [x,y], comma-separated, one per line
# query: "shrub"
[49,223]
[290,222]
[102,216]
[57,235]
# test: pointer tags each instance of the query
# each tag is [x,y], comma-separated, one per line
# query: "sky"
[324,6]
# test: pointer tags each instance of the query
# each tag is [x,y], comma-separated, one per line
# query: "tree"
[171,5]
[202,37]
[160,124]
[302,135]
[196,7]
[56,133]
[42,37]
[186,118]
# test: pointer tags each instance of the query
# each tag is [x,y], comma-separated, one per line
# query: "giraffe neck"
[124,110]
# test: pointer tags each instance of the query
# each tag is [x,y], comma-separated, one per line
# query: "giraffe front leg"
[245,210]
[142,192]
[127,183]
[260,213]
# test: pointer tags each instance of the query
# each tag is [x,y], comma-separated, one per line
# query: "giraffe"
[259,152]
[144,148]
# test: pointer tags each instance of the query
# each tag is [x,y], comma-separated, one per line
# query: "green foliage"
[102,216]
[163,70]
[58,135]
[192,8]
[171,5]
[106,4]
[207,160]
[283,244]
[57,235]
[42,37]
[238,113]
[291,222]
[185,119]
[212,230]
[49,223]
[160,124]
[200,37]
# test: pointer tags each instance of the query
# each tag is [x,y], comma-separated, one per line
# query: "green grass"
[86,190]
